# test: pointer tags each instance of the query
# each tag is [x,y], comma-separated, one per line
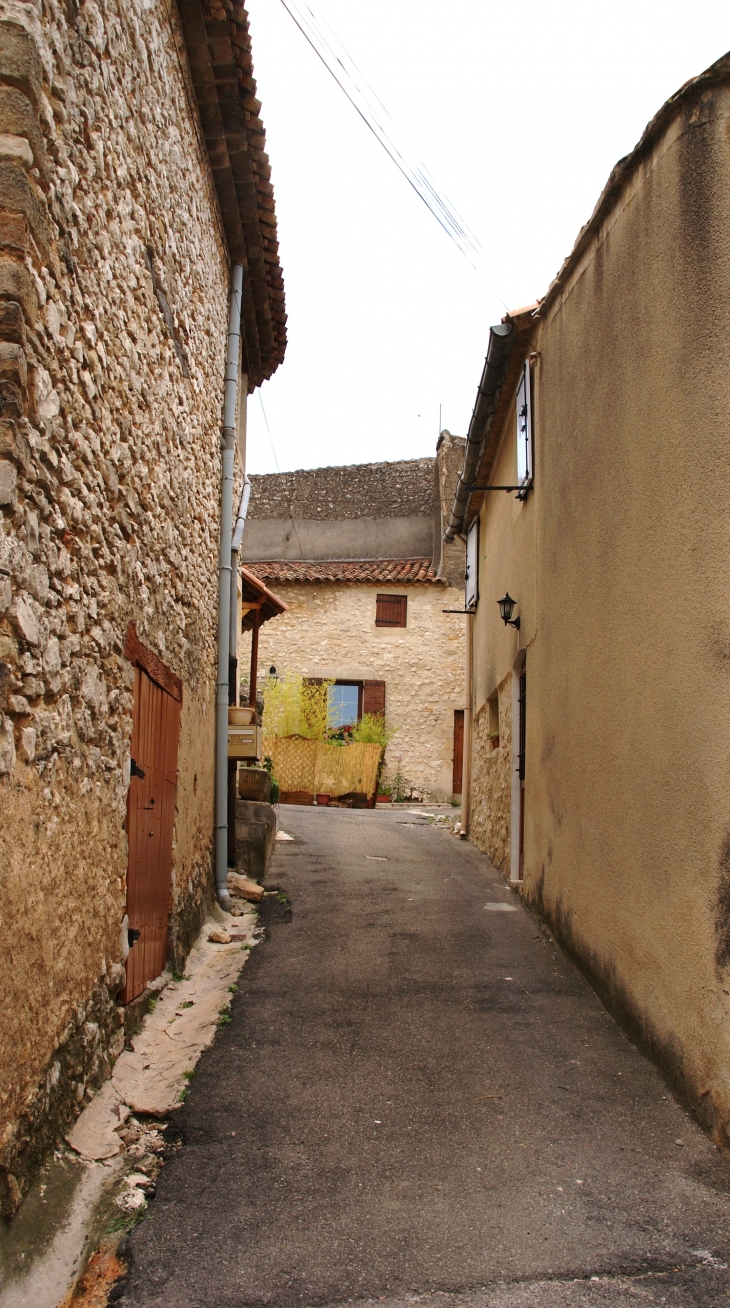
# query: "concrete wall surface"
[619,562]
[329,631]
[109,491]
[361,538]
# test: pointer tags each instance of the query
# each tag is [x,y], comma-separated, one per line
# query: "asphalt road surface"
[419,1098]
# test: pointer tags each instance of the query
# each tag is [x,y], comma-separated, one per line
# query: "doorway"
[458,769]
[150,814]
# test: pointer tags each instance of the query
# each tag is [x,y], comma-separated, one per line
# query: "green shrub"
[294,706]
[372,730]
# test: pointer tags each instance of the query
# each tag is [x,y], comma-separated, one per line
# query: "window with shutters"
[391,610]
[524,430]
[471,576]
[344,706]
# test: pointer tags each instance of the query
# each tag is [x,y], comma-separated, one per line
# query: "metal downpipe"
[228,443]
[235,549]
[468,703]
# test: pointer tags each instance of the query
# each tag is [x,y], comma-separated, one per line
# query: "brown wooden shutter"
[373,697]
[391,610]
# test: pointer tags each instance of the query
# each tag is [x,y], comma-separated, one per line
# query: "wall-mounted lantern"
[506,609]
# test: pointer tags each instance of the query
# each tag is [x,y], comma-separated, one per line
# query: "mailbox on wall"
[244,742]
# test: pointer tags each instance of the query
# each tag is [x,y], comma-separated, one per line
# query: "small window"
[344,704]
[524,429]
[391,610]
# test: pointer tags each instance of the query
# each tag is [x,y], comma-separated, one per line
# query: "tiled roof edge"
[218,44]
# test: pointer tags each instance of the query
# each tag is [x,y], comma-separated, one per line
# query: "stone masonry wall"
[329,631]
[113,306]
[449,463]
[368,490]
[491,782]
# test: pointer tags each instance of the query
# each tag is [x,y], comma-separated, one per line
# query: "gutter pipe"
[468,704]
[235,549]
[501,340]
[228,443]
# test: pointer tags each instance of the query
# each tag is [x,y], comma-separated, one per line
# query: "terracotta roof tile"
[389,571]
[216,35]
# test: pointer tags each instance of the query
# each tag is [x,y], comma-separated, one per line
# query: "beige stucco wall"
[619,560]
[109,488]
[329,631]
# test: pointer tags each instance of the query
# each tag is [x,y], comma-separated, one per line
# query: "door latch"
[135,770]
[133,934]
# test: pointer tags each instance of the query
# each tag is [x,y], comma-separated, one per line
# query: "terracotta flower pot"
[323,800]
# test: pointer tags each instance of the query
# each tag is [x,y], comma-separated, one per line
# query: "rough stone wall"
[449,463]
[367,490]
[491,782]
[113,291]
[329,631]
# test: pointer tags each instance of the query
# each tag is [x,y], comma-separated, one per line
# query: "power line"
[273,451]
[368,105]
[278,469]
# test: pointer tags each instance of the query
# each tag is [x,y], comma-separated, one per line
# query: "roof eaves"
[254,591]
[219,59]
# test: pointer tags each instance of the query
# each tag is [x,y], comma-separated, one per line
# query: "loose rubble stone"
[95,1134]
[243,886]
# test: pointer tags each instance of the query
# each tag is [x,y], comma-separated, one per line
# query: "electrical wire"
[278,469]
[368,105]
[271,439]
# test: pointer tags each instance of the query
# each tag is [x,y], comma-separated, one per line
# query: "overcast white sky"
[520,111]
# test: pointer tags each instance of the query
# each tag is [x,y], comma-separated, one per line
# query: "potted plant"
[385,794]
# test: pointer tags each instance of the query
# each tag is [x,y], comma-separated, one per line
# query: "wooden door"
[150,819]
[458,773]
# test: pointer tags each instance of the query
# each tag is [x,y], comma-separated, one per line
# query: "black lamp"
[273,673]
[506,609]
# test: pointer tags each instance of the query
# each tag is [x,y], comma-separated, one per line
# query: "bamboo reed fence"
[311,767]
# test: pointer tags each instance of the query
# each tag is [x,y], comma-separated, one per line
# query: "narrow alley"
[419,1095]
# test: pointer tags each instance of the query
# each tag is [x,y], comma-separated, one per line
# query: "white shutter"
[524,429]
[472,566]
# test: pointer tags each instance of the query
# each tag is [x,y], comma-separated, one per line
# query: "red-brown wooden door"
[150,819]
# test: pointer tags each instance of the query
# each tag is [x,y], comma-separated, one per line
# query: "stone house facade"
[133,174]
[345,545]
[599,756]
